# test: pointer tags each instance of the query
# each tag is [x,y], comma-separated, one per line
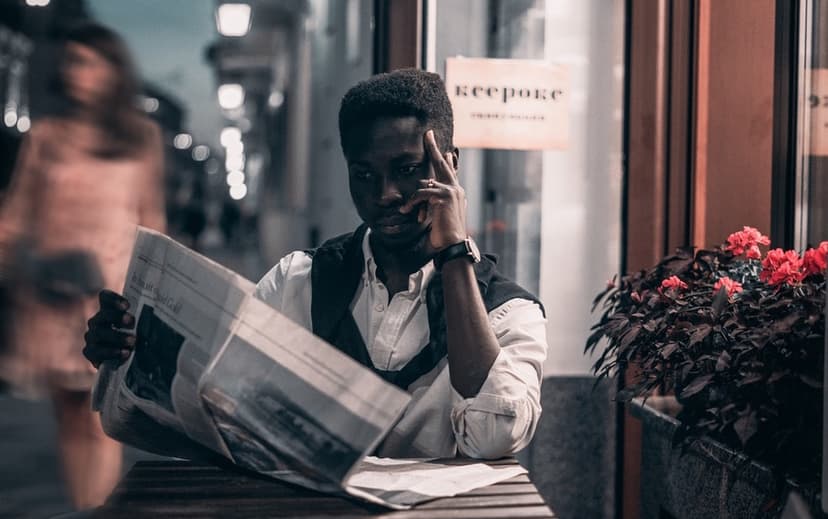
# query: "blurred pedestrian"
[194,217]
[229,221]
[83,178]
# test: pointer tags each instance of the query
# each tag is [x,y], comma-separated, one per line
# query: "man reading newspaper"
[407,294]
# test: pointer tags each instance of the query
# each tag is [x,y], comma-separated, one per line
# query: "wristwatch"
[465,249]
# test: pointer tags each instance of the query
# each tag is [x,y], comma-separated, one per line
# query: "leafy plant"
[739,339]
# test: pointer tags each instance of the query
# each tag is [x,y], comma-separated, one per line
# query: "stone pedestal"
[708,481]
[572,457]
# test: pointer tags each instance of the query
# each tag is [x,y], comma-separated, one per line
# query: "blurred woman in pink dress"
[83,179]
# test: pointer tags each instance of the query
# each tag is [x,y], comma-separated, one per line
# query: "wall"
[734,118]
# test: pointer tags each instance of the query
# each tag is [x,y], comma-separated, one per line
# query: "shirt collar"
[417,282]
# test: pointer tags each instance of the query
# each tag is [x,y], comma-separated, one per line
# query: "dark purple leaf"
[651,326]
[745,427]
[784,325]
[676,264]
[723,362]
[697,385]
[750,378]
[606,292]
[719,302]
[593,339]
[668,349]
[700,333]
[630,336]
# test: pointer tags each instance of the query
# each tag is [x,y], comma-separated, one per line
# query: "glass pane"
[553,217]
[813,177]
[503,187]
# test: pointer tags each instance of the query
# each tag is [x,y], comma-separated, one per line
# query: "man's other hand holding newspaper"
[106,339]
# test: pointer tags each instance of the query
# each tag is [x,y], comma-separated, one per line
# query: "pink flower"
[773,260]
[672,284]
[732,287]
[814,260]
[782,267]
[748,239]
[753,252]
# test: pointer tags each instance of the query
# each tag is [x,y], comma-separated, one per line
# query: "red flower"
[748,239]
[782,267]
[732,287]
[814,260]
[673,283]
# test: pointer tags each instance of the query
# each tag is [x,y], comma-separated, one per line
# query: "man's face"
[385,164]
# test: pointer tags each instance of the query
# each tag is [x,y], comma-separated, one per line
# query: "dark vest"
[336,273]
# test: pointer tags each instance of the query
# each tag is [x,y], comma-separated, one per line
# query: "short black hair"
[401,93]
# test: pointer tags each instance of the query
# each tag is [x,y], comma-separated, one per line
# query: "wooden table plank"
[160,489]
[533,512]
[170,488]
[526,512]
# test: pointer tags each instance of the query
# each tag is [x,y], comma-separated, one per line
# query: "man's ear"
[455,153]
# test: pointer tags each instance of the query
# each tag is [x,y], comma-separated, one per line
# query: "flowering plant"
[737,337]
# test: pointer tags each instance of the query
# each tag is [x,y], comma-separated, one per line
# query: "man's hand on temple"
[105,339]
[442,198]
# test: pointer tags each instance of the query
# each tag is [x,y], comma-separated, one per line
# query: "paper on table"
[408,482]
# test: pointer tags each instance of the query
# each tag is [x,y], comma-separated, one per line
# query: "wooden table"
[161,489]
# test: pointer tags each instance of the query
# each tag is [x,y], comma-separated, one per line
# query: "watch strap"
[451,252]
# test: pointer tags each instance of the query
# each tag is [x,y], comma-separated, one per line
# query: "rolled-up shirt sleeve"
[501,419]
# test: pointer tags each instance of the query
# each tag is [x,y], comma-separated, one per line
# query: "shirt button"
[379,307]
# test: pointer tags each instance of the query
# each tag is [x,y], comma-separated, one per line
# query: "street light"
[238,192]
[234,161]
[150,104]
[234,148]
[229,135]
[235,178]
[233,19]
[275,99]
[230,96]
[201,153]
[23,123]
[182,141]
[10,117]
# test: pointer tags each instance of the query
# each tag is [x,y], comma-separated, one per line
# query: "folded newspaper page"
[219,373]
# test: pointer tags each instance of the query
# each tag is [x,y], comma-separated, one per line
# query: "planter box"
[709,481]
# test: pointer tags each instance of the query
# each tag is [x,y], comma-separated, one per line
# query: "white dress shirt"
[500,420]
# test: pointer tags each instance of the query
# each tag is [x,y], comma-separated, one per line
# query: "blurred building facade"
[30,35]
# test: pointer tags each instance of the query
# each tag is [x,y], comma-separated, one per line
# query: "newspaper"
[217,373]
